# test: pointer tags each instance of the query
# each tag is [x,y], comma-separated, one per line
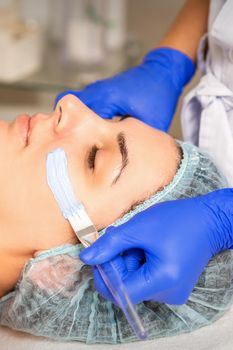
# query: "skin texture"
[30,220]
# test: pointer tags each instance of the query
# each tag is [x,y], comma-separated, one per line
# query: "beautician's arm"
[188,27]
[150,91]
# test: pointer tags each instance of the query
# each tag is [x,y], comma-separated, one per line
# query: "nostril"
[63,120]
[60,115]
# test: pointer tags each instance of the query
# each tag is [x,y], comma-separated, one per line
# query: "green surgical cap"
[56,298]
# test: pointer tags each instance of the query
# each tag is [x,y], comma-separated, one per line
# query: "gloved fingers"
[150,280]
[152,120]
[103,109]
[115,266]
[153,280]
[101,287]
[108,246]
[151,114]
[134,286]
[85,97]
[102,102]
[125,264]
[133,258]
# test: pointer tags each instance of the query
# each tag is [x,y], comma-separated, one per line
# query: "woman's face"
[112,164]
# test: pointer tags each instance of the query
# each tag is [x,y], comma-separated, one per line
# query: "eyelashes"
[124,117]
[92,154]
[91,157]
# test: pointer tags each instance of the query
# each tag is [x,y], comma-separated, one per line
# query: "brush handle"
[120,295]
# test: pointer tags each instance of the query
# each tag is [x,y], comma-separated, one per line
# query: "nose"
[70,104]
[75,115]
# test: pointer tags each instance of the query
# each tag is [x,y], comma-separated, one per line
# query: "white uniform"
[207,113]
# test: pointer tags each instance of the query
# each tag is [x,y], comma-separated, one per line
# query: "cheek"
[105,206]
[69,126]
[20,195]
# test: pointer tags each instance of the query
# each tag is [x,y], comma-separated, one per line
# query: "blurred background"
[50,45]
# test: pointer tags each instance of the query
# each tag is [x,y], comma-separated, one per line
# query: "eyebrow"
[121,142]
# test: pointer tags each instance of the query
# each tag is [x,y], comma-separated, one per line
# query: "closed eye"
[91,157]
[124,117]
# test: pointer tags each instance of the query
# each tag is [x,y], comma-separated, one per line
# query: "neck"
[12,261]
[10,271]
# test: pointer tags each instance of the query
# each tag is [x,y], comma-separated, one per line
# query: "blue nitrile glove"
[176,240]
[149,91]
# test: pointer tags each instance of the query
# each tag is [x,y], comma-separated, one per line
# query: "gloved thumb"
[112,243]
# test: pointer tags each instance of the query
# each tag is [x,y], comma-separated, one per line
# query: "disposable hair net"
[56,298]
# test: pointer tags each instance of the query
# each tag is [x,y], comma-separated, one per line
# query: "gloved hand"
[168,246]
[149,91]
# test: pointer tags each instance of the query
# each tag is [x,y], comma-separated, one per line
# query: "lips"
[23,123]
